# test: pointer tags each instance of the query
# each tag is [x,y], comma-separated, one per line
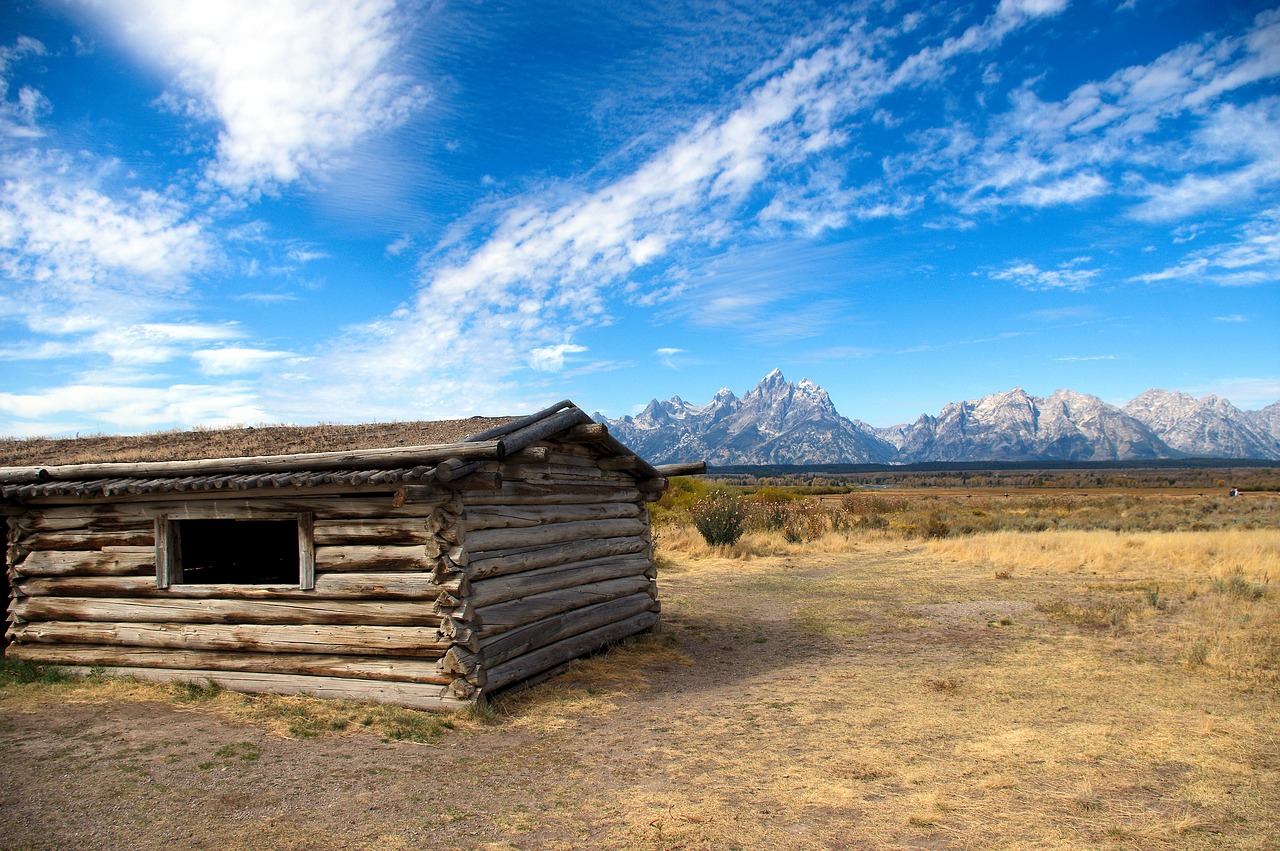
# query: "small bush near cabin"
[720,517]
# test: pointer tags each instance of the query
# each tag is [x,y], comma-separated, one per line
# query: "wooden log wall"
[84,594]
[558,563]
[430,598]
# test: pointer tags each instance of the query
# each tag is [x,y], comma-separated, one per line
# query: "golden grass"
[1053,689]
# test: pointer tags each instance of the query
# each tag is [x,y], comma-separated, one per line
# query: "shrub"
[720,517]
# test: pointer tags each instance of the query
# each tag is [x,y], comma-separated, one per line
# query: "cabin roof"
[457,449]
[245,442]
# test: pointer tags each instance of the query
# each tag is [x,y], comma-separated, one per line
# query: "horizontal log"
[329,586]
[511,516]
[648,486]
[578,468]
[691,468]
[179,610]
[481,481]
[516,642]
[411,695]
[543,428]
[558,493]
[506,616]
[620,462]
[533,558]
[82,541]
[586,432]
[309,664]
[522,667]
[358,459]
[372,558]
[54,563]
[419,642]
[490,540]
[117,516]
[486,592]
[397,531]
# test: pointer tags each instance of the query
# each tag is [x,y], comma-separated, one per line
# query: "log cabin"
[429,575]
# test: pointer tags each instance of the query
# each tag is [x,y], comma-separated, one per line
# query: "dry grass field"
[1060,676]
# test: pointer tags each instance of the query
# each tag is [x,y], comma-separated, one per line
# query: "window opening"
[236,552]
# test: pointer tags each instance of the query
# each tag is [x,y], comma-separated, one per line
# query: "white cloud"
[536,272]
[551,358]
[1251,258]
[667,356]
[236,360]
[78,243]
[293,85]
[18,115]
[124,409]
[1068,276]
[1111,136]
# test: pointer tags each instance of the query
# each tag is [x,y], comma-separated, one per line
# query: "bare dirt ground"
[885,697]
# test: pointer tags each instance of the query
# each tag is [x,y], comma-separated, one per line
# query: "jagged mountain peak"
[781,422]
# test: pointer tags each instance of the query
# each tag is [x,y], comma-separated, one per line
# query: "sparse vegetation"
[1018,682]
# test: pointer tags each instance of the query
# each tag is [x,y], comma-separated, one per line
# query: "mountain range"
[781,422]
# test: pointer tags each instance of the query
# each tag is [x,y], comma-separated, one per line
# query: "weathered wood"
[372,558]
[527,455]
[647,486]
[490,540]
[498,589]
[514,613]
[461,662]
[358,459]
[565,473]
[185,610]
[344,640]
[619,462]
[488,481]
[330,586]
[525,639]
[397,531]
[533,558]
[53,563]
[82,541]
[310,664]
[112,516]
[520,423]
[544,428]
[506,517]
[586,432]
[692,468]
[412,695]
[559,493]
[529,664]
[451,469]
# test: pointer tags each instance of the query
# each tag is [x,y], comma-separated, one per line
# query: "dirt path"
[871,699]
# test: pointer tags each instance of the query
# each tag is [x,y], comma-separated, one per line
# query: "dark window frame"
[168,554]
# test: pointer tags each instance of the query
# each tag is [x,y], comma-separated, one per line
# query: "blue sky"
[359,210]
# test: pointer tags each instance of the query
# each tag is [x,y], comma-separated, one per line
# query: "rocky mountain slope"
[780,422]
[1210,426]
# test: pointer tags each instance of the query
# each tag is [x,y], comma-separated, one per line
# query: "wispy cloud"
[124,408]
[1251,258]
[667,357]
[1246,392]
[236,360]
[1072,275]
[547,265]
[292,87]
[82,256]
